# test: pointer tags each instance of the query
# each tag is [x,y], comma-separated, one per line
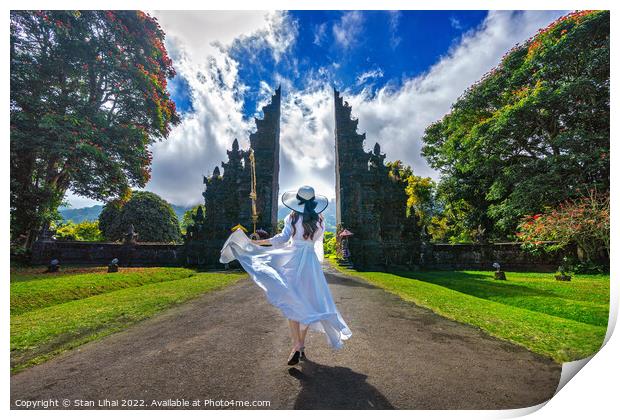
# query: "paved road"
[232,345]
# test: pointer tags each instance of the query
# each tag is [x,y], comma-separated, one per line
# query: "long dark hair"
[309,222]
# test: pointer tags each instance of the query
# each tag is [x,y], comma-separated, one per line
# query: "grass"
[30,291]
[562,320]
[52,313]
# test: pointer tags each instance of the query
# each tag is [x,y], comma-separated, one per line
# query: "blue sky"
[401,70]
[387,46]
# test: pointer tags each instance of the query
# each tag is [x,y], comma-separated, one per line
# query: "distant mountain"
[92,213]
[80,215]
[329,214]
[180,210]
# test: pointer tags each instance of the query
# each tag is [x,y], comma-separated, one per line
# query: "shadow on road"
[326,387]
[344,280]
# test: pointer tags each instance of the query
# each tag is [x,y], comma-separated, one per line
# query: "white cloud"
[200,31]
[319,33]
[367,75]
[397,118]
[197,145]
[455,23]
[394,22]
[394,117]
[348,28]
[307,139]
[278,35]
[200,142]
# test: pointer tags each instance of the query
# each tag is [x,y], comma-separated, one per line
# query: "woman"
[290,273]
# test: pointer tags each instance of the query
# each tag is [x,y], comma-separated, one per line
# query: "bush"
[152,217]
[188,218]
[20,255]
[83,231]
[110,220]
[329,243]
[583,222]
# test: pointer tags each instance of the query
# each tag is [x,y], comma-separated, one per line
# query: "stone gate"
[370,196]
[370,199]
[226,195]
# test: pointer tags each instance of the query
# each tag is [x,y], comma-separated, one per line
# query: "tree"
[533,132]
[110,220]
[330,245]
[583,222]
[84,231]
[88,97]
[421,200]
[188,218]
[152,217]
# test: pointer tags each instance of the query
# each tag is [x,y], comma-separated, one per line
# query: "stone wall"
[101,253]
[509,255]
[433,257]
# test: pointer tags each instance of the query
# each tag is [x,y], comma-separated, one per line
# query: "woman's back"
[299,230]
[294,230]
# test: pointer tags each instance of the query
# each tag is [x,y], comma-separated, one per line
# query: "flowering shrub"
[583,222]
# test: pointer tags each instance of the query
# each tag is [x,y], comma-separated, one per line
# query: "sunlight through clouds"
[199,144]
[229,64]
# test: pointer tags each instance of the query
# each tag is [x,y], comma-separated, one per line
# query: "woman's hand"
[260,241]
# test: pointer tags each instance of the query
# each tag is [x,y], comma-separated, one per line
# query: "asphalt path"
[230,347]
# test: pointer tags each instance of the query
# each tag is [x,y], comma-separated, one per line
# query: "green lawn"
[51,313]
[562,320]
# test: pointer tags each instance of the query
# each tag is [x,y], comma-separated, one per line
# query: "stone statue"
[54,266]
[131,237]
[113,266]
[499,274]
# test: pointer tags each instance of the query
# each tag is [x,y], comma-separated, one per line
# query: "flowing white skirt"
[293,281]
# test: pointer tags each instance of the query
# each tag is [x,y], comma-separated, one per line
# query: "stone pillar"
[370,199]
[227,194]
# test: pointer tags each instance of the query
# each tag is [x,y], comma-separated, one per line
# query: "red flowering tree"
[88,98]
[583,222]
[532,132]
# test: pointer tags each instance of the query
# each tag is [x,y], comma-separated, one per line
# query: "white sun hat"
[304,198]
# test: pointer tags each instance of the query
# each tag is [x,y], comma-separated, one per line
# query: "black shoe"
[302,355]
[294,359]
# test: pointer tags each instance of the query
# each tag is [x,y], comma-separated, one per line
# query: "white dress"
[290,274]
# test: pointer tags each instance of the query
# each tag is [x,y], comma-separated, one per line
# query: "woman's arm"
[281,237]
[318,243]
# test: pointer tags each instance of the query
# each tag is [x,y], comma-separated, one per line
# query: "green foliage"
[421,201]
[20,255]
[563,320]
[188,218]
[88,98]
[584,222]
[83,231]
[152,217]
[56,312]
[532,132]
[110,221]
[330,245]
